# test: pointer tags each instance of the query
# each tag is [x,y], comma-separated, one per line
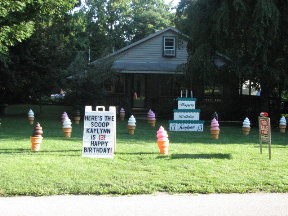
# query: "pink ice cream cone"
[214,130]
[163,141]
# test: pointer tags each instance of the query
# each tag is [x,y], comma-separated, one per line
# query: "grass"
[195,164]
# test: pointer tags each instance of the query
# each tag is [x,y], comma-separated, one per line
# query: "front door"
[139,90]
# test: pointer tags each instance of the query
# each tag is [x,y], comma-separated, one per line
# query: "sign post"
[99,136]
[265,132]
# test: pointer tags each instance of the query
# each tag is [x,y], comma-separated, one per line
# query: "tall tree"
[253,34]
[125,21]
[18,18]
[20,65]
[148,16]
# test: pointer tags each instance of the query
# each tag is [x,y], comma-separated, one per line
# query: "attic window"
[169,46]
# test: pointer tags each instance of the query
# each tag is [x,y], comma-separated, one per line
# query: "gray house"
[147,70]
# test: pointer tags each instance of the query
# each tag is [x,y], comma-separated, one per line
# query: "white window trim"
[169,52]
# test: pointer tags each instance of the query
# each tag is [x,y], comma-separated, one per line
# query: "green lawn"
[195,164]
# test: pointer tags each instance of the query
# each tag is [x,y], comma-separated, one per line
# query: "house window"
[169,48]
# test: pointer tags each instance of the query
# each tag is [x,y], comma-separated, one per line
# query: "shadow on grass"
[201,156]
[18,151]
[136,153]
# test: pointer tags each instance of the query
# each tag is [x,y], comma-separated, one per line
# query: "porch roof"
[147,67]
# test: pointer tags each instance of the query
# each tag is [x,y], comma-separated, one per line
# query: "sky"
[174,2]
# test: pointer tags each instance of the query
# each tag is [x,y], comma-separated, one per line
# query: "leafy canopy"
[18,18]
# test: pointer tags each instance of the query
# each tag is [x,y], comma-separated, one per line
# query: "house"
[147,71]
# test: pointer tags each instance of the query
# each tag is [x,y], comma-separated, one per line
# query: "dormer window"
[169,46]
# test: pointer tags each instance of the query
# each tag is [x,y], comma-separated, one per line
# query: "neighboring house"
[148,70]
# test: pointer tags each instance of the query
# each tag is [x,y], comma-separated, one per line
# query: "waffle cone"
[35,143]
[122,117]
[245,130]
[131,129]
[67,132]
[163,146]
[77,119]
[215,134]
[152,122]
[31,120]
[282,128]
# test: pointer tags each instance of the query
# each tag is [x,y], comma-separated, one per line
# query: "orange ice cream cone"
[35,143]
[162,141]
[163,146]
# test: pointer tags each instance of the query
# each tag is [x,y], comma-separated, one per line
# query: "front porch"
[141,92]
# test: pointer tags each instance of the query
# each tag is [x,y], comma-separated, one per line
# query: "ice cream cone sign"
[122,114]
[148,115]
[36,138]
[31,116]
[246,126]
[214,130]
[77,117]
[64,115]
[67,128]
[282,124]
[131,125]
[151,119]
[162,140]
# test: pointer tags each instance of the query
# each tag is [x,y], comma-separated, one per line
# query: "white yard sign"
[186,127]
[186,104]
[186,115]
[99,136]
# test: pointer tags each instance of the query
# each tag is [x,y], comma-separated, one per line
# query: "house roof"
[146,67]
[142,41]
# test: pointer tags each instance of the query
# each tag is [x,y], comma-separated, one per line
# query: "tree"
[253,34]
[18,18]
[22,70]
[38,65]
[117,23]
[148,16]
